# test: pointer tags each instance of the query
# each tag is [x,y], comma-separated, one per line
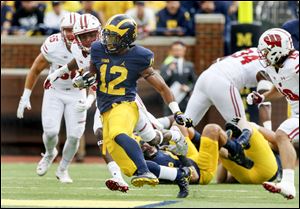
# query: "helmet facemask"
[67,35]
[112,41]
[85,40]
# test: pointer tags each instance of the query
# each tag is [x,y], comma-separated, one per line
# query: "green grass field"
[21,187]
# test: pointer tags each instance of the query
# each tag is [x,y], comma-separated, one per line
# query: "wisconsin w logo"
[273,40]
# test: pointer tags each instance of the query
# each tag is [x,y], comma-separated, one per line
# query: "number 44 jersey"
[117,74]
[240,68]
[286,80]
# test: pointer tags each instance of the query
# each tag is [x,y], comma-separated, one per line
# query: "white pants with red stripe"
[58,103]
[291,128]
[213,89]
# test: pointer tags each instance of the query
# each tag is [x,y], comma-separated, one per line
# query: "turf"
[20,182]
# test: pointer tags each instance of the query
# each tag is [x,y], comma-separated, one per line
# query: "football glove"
[182,120]
[84,80]
[55,75]
[24,103]
[85,105]
[255,98]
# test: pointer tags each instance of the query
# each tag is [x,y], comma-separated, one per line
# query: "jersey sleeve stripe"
[45,49]
[297,68]
[293,133]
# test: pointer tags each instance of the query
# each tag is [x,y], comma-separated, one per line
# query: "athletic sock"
[288,176]
[70,149]
[50,143]
[162,172]
[115,170]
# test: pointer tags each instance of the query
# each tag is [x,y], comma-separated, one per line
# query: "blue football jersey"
[117,74]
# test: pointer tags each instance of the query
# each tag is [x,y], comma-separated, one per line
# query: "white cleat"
[63,176]
[286,190]
[116,184]
[45,163]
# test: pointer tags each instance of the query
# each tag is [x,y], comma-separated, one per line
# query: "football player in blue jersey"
[118,65]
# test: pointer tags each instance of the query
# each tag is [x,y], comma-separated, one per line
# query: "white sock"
[50,143]
[167,173]
[115,170]
[70,149]
[288,176]
[268,124]
[165,122]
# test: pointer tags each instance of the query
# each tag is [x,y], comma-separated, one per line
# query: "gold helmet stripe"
[117,29]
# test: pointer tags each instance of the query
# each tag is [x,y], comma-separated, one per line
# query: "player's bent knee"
[211,131]
[51,134]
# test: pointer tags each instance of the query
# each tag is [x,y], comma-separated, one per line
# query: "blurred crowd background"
[190,47]
[154,18]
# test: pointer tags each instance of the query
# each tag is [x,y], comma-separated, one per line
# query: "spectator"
[87,7]
[144,18]
[155,5]
[28,18]
[179,74]
[220,7]
[111,8]
[6,17]
[292,26]
[191,7]
[52,19]
[173,20]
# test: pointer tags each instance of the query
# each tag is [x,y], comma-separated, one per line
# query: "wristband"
[26,93]
[174,107]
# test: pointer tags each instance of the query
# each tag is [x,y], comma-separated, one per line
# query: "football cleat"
[63,176]
[286,190]
[183,182]
[146,178]
[46,162]
[115,184]
[236,131]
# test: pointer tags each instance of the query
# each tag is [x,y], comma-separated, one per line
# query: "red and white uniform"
[60,99]
[219,85]
[286,80]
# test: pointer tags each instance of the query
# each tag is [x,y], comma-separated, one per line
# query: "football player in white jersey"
[219,85]
[281,62]
[58,100]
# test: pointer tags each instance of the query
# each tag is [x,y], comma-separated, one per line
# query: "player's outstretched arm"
[256,98]
[39,64]
[71,66]
[162,88]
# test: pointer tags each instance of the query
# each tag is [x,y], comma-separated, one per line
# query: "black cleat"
[236,131]
[241,159]
[183,182]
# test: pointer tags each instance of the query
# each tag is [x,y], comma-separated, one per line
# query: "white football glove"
[55,75]
[181,146]
[255,98]
[24,103]
[83,80]
[85,105]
